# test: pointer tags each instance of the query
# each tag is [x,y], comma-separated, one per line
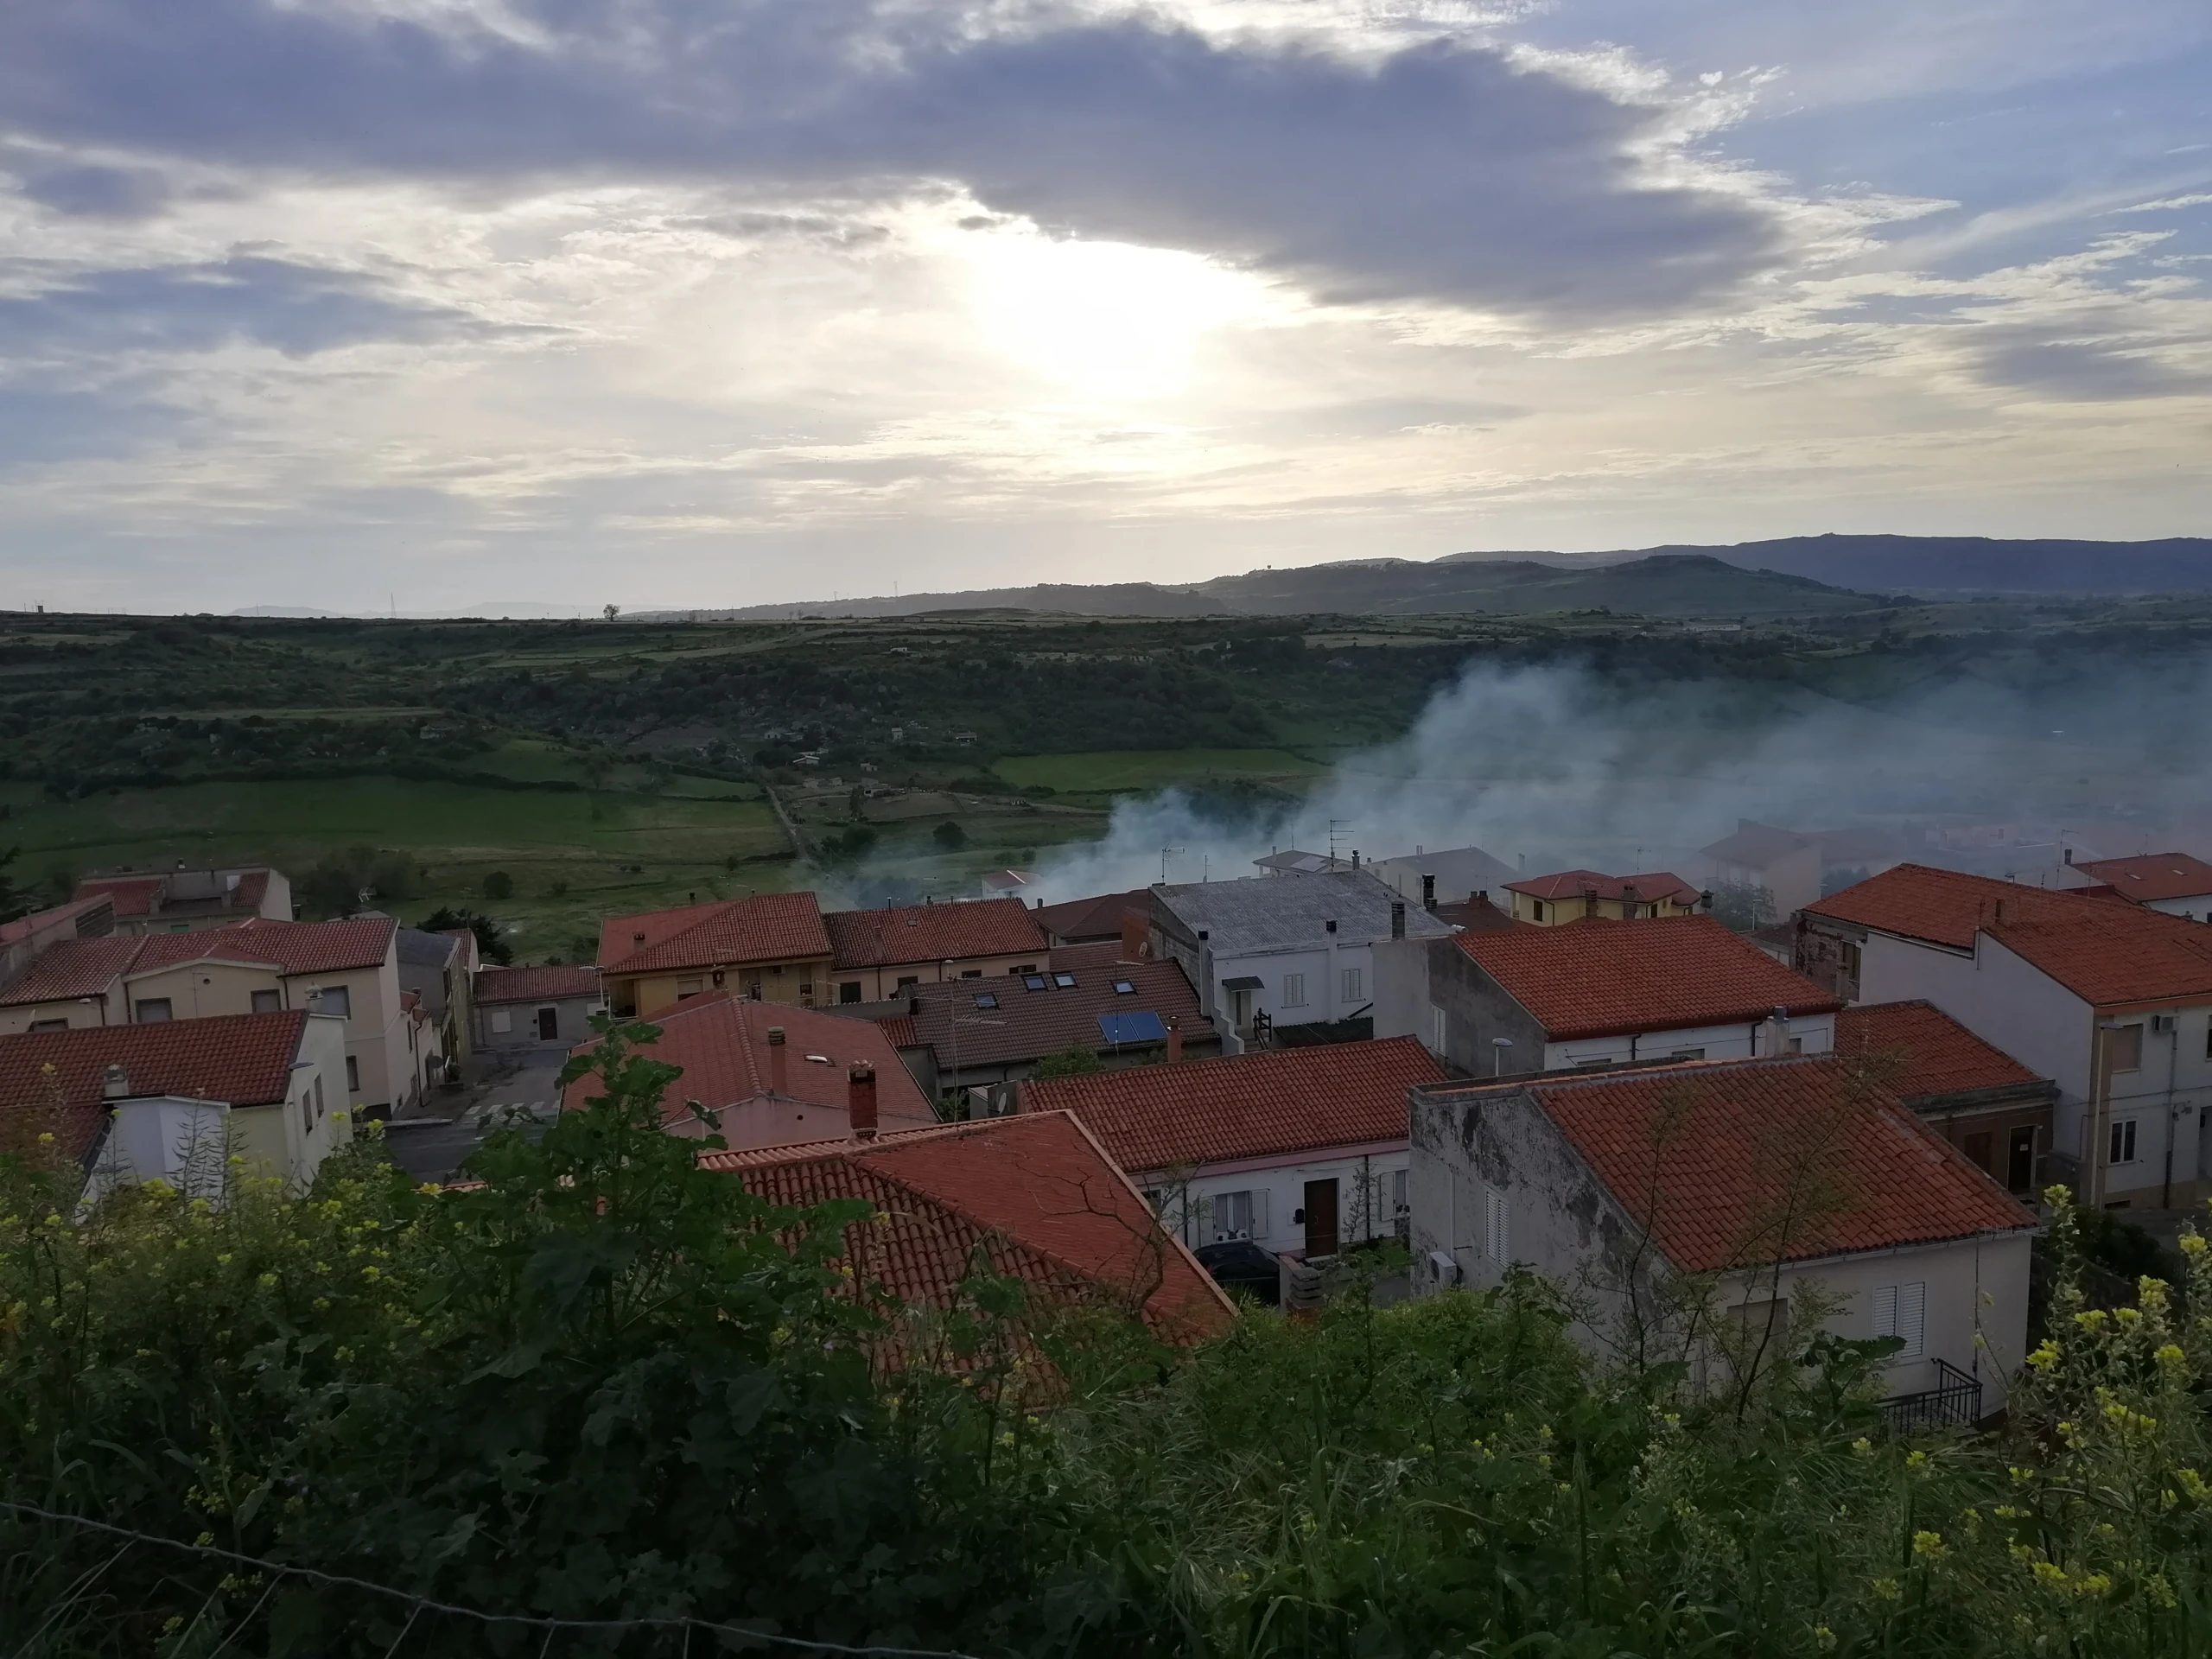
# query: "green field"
[1114,772]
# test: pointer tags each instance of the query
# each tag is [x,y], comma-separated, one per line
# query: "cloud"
[2169,204]
[2085,370]
[1443,171]
[87,191]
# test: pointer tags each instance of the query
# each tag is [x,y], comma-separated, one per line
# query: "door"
[2020,1159]
[1321,1218]
[548,1025]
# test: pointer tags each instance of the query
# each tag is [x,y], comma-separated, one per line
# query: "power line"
[545,1622]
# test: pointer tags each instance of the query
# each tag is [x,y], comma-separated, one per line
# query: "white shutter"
[1494,1242]
[1504,1231]
[1886,1310]
[1259,1197]
[1436,1024]
[1912,1321]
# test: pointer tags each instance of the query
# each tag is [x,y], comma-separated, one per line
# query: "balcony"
[1953,1400]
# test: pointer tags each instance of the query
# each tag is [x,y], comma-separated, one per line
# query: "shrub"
[499,885]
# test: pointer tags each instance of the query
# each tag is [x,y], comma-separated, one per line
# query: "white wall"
[1401,1004]
[2197,908]
[1735,1041]
[1366,1184]
[1324,975]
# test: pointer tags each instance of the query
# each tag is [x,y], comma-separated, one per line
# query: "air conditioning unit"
[1444,1267]
[2162,1024]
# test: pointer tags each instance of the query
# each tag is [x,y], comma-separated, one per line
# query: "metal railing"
[1953,1403]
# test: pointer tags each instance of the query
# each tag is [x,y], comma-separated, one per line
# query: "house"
[1291,860]
[1582,895]
[26,937]
[435,968]
[998,884]
[878,954]
[1971,1093]
[772,947]
[1032,1199]
[1706,1213]
[1301,1150]
[1091,921]
[1265,954]
[348,968]
[773,1077]
[2112,1002]
[968,1033]
[1548,999]
[1452,872]
[129,1102]
[1781,863]
[2176,883]
[1477,913]
[522,1009]
[183,901]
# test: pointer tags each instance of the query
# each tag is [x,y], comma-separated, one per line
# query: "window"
[1293,990]
[1123,988]
[2124,1048]
[806,993]
[318,1097]
[1437,1024]
[502,1021]
[151,1010]
[1688,1054]
[1538,904]
[987,999]
[1900,1311]
[338,1000]
[971,973]
[1033,982]
[849,990]
[352,1075]
[268,1001]
[1401,1198]
[180,927]
[2121,1149]
[1849,956]
[307,1114]
[1025,968]
[49,1024]
[907,982]
[1497,1235]
[1351,979]
[1797,1045]
[1240,1214]
[1066,982]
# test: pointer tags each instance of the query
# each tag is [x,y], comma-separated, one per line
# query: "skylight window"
[1035,982]
[1122,987]
[1066,982]
[987,999]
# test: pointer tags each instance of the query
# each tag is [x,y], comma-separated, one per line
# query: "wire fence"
[671,1624]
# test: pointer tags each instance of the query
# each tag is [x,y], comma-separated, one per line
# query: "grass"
[1140,770]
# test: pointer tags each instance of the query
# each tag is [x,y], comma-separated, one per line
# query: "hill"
[1948,564]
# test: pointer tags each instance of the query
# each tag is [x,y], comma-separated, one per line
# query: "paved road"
[431,1148]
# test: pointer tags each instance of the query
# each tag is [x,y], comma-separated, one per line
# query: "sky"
[487,304]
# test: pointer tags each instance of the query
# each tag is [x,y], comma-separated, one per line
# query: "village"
[1183,1099]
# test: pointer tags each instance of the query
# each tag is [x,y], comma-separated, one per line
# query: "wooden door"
[1321,1218]
[548,1025]
[2020,1159]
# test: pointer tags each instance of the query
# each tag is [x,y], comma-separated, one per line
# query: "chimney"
[861,1110]
[1136,931]
[636,938]
[1174,1042]
[115,1083]
[1428,892]
[1354,858]
[776,1075]
[1397,918]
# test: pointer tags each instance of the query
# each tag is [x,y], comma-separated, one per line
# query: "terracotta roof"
[1756,844]
[39,921]
[72,968]
[911,933]
[141,896]
[134,895]
[1020,1024]
[1033,1196]
[1749,1161]
[1923,1052]
[2153,876]
[1079,921]
[898,1030]
[1573,884]
[767,927]
[536,984]
[721,1041]
[1602,978]
[1477,914]
[291,947]
[1281,1103]
[2107,952]
[244,1059]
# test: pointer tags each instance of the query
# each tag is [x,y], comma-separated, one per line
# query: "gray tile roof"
[1282,913]
[421,950]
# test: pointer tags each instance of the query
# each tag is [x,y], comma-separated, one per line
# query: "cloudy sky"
[716,301]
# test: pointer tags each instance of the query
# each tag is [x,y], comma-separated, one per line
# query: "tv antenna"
[1337,827]
[1166,852]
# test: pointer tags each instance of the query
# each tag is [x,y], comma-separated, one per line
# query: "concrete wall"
[572,1014]
[1814,1033]
[1402,1007]
[794,984]
[876,984]
[78,1011]
[1366,1182]
[1831,954]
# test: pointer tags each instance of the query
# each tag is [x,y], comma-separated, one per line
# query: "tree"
[610,611]
[1743,906]
[1076,1062]
[499,885]
[491,938]
[950,835]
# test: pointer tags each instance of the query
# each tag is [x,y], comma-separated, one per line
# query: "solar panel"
[1122,1030]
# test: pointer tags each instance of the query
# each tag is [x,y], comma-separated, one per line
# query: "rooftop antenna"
[1166,853]
[1337,827]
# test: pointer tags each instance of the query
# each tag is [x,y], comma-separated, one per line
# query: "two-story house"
[127,1103]
[1266,953]
[880,954]
[1301,1150]
[349,969]
[1589,895]
[1495,1002]
[1971,1093]
[771,947]
[184,901]
[1718,1214]
[519,1010]
[2178,884]
[2110,1000]
[435,967]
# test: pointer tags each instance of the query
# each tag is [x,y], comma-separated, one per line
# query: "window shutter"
[1912,1309]
[1378,1207]
[1886,1310]
[1259,1197]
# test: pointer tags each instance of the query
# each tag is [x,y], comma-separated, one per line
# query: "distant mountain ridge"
[1791,574]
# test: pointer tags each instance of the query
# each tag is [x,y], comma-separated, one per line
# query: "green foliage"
[491,938]
[499,885]
[843,847]
[1746,906]
[950,835]
[335,886]
[1068,1062]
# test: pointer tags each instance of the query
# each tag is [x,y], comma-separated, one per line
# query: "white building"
[1302,1150]
[2175,884]
[1266,953]
[1700,1214]
[1597,993]
[2110,1000]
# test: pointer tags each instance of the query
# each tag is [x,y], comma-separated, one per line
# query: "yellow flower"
[2092,1584]
[2194,1244]
[2160,1593]
[1863,1446]
[269,1282]
[2048,1573]
[2092,1320]
[2129,1316]
[46,1138]
[1885,1589]
[1928,1546]
[2171,1356]
[1916,1459]
[2045,1356]
[1824,1638]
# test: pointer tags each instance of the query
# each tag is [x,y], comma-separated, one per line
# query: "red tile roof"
[767,927]
[536,984]
[72,968]
[134,895]
[1033,1196]
[2153,876]
[39,921]
[914,933]
[721,1041]
[244,1059]
[1745,1161]
[2107,952]
[1602,978]
[1281,1103]
[292,947]
[1477,914]
[1651,887]
[1923,1052]
[1020,1024]
[140,896]
[1079,921]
